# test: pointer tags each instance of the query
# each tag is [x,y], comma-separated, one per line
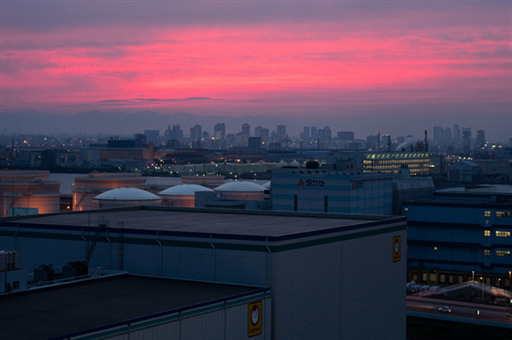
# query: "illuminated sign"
[397,248]
[310,183]
[254,322]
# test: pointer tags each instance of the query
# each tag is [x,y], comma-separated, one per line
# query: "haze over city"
[389,67]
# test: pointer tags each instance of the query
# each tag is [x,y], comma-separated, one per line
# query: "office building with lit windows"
[460,231]
[419,162]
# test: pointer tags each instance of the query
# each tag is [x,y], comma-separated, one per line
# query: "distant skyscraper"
[346,135]
[152,135]
[314,133]
[262,132]
[174,133]
[206,135]
[325,136]
[466,140]
[219,131]
[195,133]
[246,129]
[281,132]
[258,130]
[456,134]
[305,134]
[480,139]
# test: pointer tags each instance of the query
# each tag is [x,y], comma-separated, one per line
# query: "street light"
[473,272]
[481,278]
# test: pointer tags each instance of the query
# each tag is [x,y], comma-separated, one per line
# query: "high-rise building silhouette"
[480,139]
[314,133]
[196,133]
[174,133]
[262,132]
[246,129]
[466,140]
[325,137]
[456,134]
[152,135]
[281,132]
[305,134]
[346,135]
[219,131]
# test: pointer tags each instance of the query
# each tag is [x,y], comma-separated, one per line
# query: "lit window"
[502,213]
[505,253]
[502,233]
[487,252]
[487,233]
[487,214]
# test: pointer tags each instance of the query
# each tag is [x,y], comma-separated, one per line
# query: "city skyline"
[416,64]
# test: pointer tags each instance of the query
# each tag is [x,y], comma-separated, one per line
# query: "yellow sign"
[255,314]
[397,248]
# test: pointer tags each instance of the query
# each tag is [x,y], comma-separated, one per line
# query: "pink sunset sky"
[289,59]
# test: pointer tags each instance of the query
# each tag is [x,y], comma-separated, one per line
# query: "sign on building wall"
[254,322]
[310,183]
[397,248]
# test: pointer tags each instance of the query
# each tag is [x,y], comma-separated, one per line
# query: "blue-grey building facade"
[459,236]
[316,190]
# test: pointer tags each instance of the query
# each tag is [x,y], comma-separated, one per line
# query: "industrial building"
[461,233]
[318,272]
[420,163]
[317,190]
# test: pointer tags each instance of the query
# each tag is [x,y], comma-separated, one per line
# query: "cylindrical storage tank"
[82,198]
[86,188]
[181,195]
[203,180]
[45,202]
[42,175]
[125,197]
[241,190]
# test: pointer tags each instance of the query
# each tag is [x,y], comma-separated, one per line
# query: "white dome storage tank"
[125,197]
[181,195]
[241,190]
[86,188]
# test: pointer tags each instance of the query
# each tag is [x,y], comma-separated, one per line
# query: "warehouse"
[157,309]
[321,269]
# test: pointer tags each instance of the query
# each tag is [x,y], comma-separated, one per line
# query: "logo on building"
[255,315]
[397,248]
[357,185]
[310,183]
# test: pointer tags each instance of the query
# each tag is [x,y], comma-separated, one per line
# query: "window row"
[505,253]
[499,233]
[487,213]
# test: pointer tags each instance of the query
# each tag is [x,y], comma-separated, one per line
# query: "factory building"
[318,272]
[459,234]
[420,163]
[317,190]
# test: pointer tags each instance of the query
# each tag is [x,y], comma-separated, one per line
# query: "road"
[466,311]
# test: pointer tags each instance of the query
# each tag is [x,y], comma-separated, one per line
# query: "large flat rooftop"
[240,222]
[55,311]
